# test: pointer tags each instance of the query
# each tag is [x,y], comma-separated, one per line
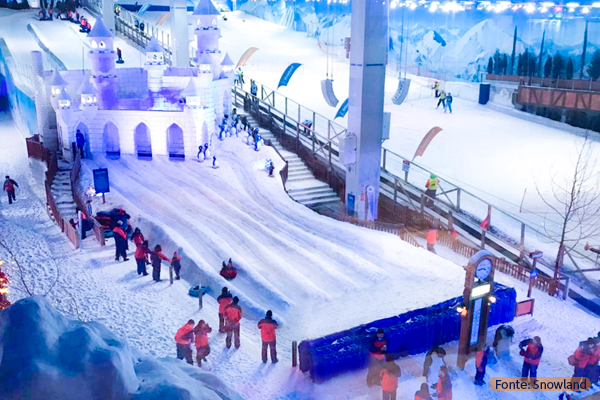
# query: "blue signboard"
[405,165]
[101,184]
[533,274]
[350,204]
[476,321]
[342,110]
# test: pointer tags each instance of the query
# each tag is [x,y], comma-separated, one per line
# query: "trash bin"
[484,93]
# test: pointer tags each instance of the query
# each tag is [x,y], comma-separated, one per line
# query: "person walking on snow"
[531,350]
[443,387]
[80,142]
[201,332]
[377,352]
[176,264]
[141,257]
[423,393]
[431,188]
[224,299]
[580,359]
[389,379]
[9,187]
[267,328]
[481,360]
[442,100]
[120,242]
[431,237]
[156,257]
[137,237]
[233,315]
[183,340]
[449,103]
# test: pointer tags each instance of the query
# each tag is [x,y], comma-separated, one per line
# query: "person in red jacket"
[156,256]
[592,370]
[183,340]
[224,299]
[141,257]
[481,360]
[377,352]
[9,187]
[431,237]
[233,315]
[443,387]
[580,360]
[120,242]
[267,328]
[137,237]
[389,380]
[531,350]
[423,393]
[201,341]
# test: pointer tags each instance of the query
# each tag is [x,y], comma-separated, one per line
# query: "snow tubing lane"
[410,333]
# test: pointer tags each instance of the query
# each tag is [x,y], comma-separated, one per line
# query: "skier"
[9,187]
[183,339]
[449,103]
[176,264]
[531,350]
[443,387]
[434,360]
[267,328]
[201,341]
[442,100]
[224,299]
[481,360]
[271,169]
[228,272]
[215,164]
[137,237]
[206,151]
[432,185]
[389,379]
[377,352]
[431,237]
[200,152]
[423,393]
[156,257]
[233,315]
[120,242]
[141,257]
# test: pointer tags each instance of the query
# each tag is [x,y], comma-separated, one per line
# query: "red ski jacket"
[201,339]
[267,328]
[120,232]
[233,314]
[141,253]
[183,334]
[224,300]
[389,379]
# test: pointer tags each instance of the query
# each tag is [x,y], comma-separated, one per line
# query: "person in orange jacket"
[176,264]
[431,237]
[233,315]
[141,257]
[183,340]
[531,350]
[137,237]
[423,393]
[377,352]
[481,360]
[267,328]
[580,359]
[201,332]
[224,299]
[592,371]
[443,387]
[120,242]
[389,379]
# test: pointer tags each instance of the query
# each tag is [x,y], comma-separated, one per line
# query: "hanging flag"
[244,58]
[426,140]
[485,224]
[287,75]
[144,8]
[163,18]
[343,110]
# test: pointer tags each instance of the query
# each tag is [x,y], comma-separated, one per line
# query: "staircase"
[301,184]
[61,191]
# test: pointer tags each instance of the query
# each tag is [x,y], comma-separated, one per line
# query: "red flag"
[426,140]
[485,224]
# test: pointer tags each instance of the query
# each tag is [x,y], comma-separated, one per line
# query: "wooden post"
[200,296]
[522,245]
[171,274]
[422,203]
[286,100]
[294,354]
[384,158]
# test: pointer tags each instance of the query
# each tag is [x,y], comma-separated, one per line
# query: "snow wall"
[20,104]
[410,333]
[457,44]
[46,355]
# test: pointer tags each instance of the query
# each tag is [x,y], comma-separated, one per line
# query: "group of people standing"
[230,315]
[445,99]
[585,360]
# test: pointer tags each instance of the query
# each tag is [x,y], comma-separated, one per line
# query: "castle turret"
[103,56]
[194,97]
[57,84]
[89,101]
[227,72]
[208,33]
[155,65]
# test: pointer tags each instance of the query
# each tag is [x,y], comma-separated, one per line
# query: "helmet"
[432,176]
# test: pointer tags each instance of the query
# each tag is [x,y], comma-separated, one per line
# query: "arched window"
[102,45]
[143,141]
[94,44]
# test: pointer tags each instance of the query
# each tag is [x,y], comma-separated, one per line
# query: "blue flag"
[343,110]
[287,75]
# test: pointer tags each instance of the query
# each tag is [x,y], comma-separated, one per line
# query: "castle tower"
[193,96]
[227,72]
[48,136]
[207,33]
[103,56]
[155,65]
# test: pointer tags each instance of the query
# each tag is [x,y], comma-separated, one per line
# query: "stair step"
[296,178]
[332,199]
[312,191]
[303,198]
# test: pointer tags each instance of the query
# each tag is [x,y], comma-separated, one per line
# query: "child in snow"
[423,393]
[176,264]
[443,387]
[183,339]
[271,169]
[156,257]
[9,187]
[389,379]
[201,341]
[228,271]
[481,360]
[141,257]
[224,299]
[137,237]
[434,360]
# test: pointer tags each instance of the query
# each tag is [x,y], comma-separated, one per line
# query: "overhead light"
[530,8]
[434,6]
[585,10]
[544,9]
[572,5]
[549,4]
[596,5]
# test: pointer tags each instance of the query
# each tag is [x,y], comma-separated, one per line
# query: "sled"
[195,290]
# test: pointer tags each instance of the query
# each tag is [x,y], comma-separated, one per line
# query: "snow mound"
[46,355]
